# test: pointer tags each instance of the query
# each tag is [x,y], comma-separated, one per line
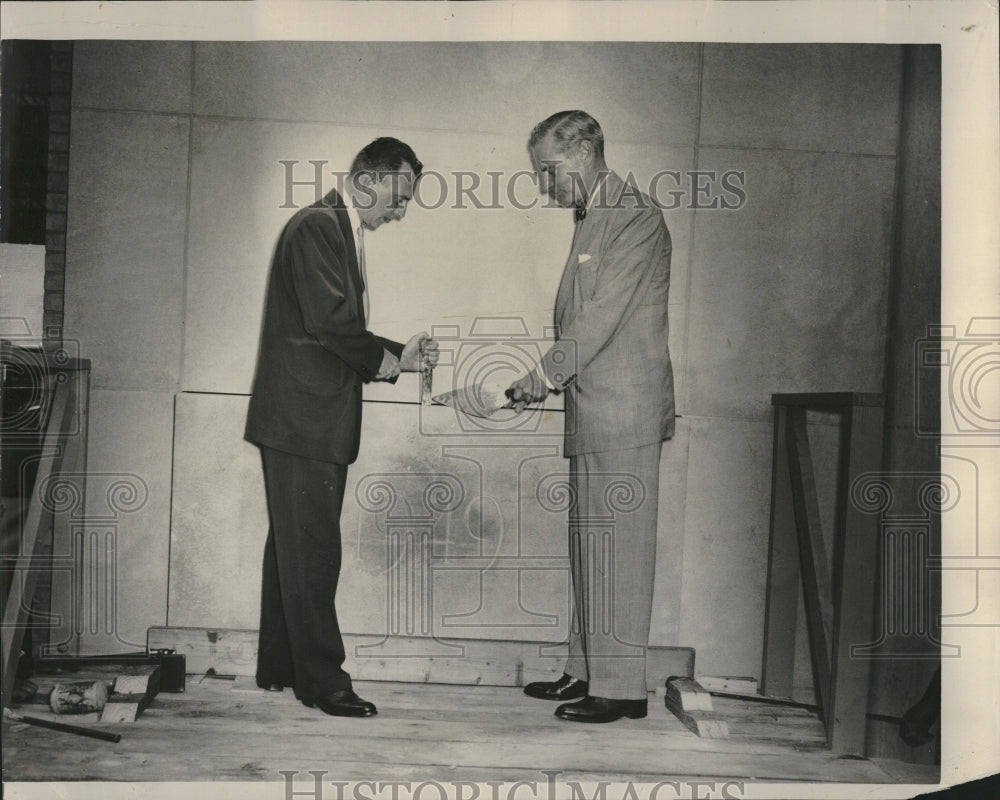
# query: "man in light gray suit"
[611,361]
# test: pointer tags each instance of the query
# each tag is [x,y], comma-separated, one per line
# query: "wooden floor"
[226,730]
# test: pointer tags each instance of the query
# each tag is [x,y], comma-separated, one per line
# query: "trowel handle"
[426,381]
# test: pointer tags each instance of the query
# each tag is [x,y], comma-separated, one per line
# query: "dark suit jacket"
[611,356]
[315,351]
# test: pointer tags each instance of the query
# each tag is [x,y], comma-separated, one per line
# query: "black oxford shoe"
[566,688]
[601,709]
[344,703]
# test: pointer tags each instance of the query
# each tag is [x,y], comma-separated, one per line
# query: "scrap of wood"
[123,708]
[688,695]
[133,684]
[703,724]
[132,693]
[692,705]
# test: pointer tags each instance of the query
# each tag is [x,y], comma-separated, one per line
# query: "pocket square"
[584,258]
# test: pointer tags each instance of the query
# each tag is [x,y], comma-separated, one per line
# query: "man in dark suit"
[611,361]
[305,416]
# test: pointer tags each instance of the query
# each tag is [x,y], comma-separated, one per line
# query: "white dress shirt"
[359,243]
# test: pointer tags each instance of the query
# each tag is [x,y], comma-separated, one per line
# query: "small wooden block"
[123,708]
[687,695]
[692,705]
[133,684]
[704,725]
[133,690]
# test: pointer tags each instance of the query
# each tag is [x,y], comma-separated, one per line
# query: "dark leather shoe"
[566,688]
[344,703]
[601,709]
[271,687]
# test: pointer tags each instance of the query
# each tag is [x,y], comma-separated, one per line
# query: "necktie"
[580,213]
[364,272]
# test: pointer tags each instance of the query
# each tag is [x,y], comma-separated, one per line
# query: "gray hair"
[569,128]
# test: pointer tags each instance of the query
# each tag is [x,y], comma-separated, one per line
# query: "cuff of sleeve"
[369,369]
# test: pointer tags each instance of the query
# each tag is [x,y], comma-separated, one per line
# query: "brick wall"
[61,79]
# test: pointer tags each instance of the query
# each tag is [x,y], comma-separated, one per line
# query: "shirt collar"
[597,189]
[352,215]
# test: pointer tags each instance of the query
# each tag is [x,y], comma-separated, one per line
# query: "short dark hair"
[569,128]
[385,155]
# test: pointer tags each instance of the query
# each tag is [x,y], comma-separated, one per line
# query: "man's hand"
[531,388]
[420,353]
[389,368]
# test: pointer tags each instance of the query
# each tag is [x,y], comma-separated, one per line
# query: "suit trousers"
[612,547]
[300,643]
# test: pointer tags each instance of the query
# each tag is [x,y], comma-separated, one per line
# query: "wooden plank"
[483,662]
[812,551]
[727,683]
[171,666]
[18,603]
[147,766]
[782,601]
[483,713]
[181,753]
[204,735]
[856,559]
[63,628]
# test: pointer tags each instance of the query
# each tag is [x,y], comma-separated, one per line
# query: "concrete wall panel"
[125,540]
[132,76]
[789,293]
[477,86]
[125,246]
[833,97]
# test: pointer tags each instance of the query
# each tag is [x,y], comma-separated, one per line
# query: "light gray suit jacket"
[611,356]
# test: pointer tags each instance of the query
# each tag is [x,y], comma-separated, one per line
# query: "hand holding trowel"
[478,400]
[486,399]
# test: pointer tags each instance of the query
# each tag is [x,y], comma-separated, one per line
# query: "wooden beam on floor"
[416,659]
[692,705]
